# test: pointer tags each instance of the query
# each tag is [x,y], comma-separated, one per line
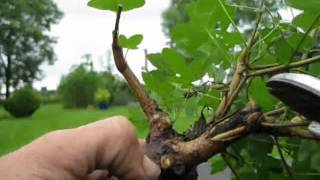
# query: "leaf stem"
[231,20]
[284,162]
[234,171]
[304,37]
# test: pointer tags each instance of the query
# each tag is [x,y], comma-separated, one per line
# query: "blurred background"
[61,72]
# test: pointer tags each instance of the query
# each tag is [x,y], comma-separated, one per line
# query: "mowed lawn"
[15,133]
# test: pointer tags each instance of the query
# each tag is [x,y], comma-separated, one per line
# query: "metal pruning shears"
[301,93]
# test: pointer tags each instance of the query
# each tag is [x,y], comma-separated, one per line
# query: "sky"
[86,30]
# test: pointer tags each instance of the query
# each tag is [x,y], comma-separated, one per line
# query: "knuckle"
[123,129]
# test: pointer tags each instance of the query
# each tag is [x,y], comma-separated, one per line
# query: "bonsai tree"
[215,64]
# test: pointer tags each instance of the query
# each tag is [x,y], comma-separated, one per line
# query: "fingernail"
[152,170]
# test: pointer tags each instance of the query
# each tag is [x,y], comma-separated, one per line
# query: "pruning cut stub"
[299,91]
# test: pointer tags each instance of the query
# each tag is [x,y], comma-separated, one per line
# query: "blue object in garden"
[103,106]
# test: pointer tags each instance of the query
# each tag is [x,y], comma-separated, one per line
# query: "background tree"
[78,88]
[215,64]
[24,40]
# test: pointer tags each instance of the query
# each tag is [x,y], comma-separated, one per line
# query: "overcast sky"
[86,30]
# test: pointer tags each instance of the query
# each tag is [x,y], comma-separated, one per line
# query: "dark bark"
[8,75]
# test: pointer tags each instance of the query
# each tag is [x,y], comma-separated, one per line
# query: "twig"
[289,132]
[284,162]
[239,78]
[283,125]
[234,171]
[264,66]
[159,120]
[231,20]
[276,112]
[284,67]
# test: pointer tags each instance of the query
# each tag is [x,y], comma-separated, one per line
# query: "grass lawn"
[15,133]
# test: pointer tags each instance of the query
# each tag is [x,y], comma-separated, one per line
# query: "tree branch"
[278,68]
[276,112]
[289,132]
[159,121]
[283,125]
[239,78]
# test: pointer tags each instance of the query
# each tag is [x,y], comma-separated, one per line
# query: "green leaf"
[131,42]
[306,20]
[314,68]
[157,61]
[217,164]
[211,99]
[315,162]
[158,82]
[310,5]
[282,50]
[295,39]
[259,92]
[259,147]
[113,5]
[174,61]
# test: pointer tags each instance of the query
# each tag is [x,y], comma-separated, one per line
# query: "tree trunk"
[8,76]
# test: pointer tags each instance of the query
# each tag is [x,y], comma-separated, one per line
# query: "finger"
[117,148]
[73,154]
[98,175]
[152,170]
[142,143]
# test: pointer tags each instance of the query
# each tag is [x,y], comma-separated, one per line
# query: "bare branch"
[239,78]
[279,68]
[158,119]
[276,112]
[283,125]
[289,132]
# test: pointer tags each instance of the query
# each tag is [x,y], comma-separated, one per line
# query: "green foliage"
[78,88]
[207,38]
[131,42]
[23,102]
[113,5]
[261,95]
[217,164]
[102,95]
[24,41]
[310,5]
[120,92]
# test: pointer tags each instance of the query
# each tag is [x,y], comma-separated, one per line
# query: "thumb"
[152,170]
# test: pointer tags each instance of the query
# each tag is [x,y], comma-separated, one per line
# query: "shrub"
[102,95]
[78,88]
[23,102]
[120,92]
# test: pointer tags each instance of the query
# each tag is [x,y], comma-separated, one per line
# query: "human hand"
[93,152]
